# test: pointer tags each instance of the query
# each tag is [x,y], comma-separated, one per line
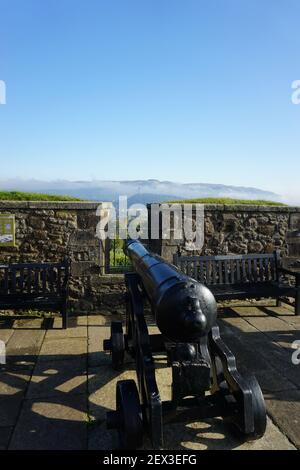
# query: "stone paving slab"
[23,347]
[34,323]
[52,424]
[248,311]
[96,354]
[284,408]
[56,379]
[250,361]
[73,321]
[209,434]
[13,382]
[72,332]
[74,364]
[214,434]
[99,320]
[63,348]
[257,342]
[5,433]
[9,410]
[5,334]
[73,386]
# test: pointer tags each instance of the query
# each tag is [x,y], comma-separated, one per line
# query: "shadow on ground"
[58,385]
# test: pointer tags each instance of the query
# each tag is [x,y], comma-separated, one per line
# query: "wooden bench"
[242,276]
[38,286]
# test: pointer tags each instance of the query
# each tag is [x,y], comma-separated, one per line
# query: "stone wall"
[240,230]
[51,231]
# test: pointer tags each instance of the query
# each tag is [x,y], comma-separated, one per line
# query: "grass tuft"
[227,201]
[21,196]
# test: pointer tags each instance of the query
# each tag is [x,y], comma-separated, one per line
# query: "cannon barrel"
[184,309]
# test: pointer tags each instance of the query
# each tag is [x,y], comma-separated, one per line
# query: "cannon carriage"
[205,379]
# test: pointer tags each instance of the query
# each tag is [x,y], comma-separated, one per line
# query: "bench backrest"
[34,278]
[230,269]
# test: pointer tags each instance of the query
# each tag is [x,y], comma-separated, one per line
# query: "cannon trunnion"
[205,379]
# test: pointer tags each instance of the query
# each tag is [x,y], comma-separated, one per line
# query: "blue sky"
[189,91]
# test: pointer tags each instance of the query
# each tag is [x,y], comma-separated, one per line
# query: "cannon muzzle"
[184,309]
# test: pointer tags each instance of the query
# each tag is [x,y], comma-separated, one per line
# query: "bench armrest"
[288,271]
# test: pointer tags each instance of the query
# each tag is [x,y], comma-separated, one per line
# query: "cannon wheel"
[259,410]
[117,345]
[130,426]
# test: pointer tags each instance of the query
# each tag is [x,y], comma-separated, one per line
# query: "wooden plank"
[207,272]
[59,284]
[29,280]
[21,280]
[13,281]
[249,264]
[255,277]
[6,280]
[44,281]
[51,279]
[220,272]
[225,257]
[36,280]
[238,271]
[232,265]
[266,263]
[273,270]
[226,271]
[214,272]
[261,270]
[244,270]
[201,273]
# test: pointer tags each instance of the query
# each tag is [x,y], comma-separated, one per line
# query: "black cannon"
[205,379]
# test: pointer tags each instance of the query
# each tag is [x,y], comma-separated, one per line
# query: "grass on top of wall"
[20,196]
[227,201]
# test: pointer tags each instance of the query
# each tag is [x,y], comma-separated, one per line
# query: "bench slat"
[238,271]
[220,272]
[214,271]
[255,277]
[232,270]
[6,280]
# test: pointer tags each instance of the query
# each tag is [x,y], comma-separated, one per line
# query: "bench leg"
[278,303]
[64,314]
[297,302]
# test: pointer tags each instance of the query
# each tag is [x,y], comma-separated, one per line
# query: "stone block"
[63,348]
[52,424]
[284,408]
[13,383]
[9,410]
[58,378]
[5,433]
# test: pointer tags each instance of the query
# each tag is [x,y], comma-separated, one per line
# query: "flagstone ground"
[57,385]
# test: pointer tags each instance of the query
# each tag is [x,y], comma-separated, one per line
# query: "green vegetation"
[20,196]
[118,261]
[227,201]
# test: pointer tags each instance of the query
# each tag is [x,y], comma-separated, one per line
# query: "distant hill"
[141,191]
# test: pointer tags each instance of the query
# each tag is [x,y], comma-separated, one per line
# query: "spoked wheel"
[129,412]
[259,410]
[116,345]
